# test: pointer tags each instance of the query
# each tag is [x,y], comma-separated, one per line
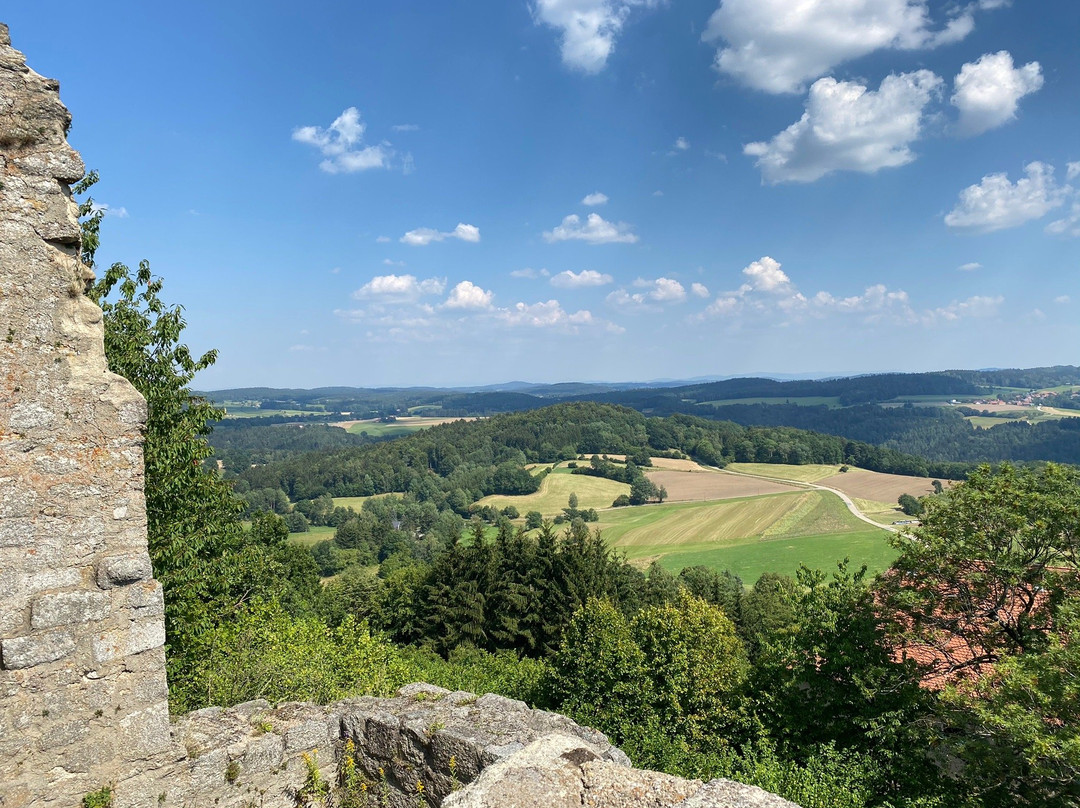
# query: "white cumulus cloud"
[467,295]
[660,290]
[595,199]
[589,28]
[779,45]
[770,293]
[996,204]
[847,127]
[682,144]
[549,314]
[576,280]
[765,275]
[422,236]
[699,290]
[988,91]
[970,266]
[342,145]
[400,287]
[594,230]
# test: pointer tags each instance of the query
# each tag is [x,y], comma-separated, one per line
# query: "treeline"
[239,444]
[656,399]
[458,463]
[857,389]
[941,435]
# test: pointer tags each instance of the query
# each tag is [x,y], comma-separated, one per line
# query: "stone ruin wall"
[81,662]
[83,696]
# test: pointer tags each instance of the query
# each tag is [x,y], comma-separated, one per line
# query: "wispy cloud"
[423,236]
[653,294]
[342,145]
[529,272]
[110,211]
[577,280]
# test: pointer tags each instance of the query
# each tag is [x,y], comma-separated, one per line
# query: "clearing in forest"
[404,425]
[357,503]
[555,490]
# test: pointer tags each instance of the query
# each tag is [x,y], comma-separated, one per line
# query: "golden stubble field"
[873,485]
[702,484]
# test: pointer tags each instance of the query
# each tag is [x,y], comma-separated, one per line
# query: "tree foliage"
[985,575]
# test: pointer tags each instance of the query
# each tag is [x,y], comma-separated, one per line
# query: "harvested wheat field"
[686,486]
[675,464]
[879,487]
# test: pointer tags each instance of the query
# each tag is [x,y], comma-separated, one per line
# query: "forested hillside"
[468,460]
[848,407]
[936,433]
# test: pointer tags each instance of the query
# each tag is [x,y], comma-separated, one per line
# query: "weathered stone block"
[146,597]
[123,570]
[264,754]
[139,636]
[68,608]
[16,532]
[37,649]
[306,736]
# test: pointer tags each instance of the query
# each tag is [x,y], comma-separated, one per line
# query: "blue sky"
[433,193]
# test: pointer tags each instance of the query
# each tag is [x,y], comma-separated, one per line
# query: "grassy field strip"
[810,473]
[555,490]
[357,503]
[312,536]
[783,526]
[881,512]
[750,559]
[848,502]
[256,412]
[405,425]
[674,524]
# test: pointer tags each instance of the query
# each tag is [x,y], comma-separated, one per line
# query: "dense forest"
[936,433]
[519,396]
[464,461]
